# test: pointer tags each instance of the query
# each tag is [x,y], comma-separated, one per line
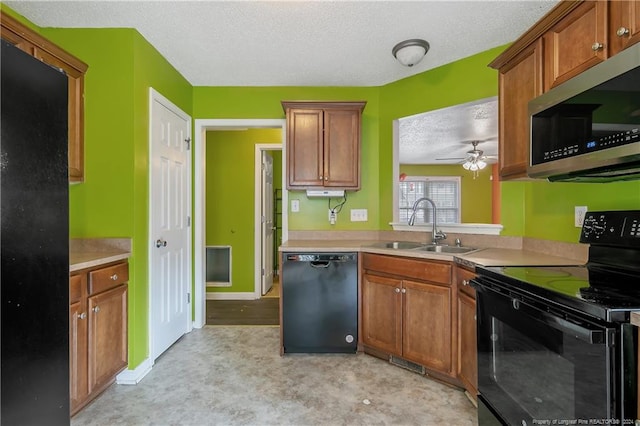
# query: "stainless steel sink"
[445,249]
[398,245]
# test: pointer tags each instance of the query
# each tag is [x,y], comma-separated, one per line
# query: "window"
[443,190]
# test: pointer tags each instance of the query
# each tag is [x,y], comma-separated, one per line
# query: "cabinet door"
[624,25]
[342,148]
[305,148]
[467,343]
[519,82]
[381,313]
[426,327]
[78,382]
[107,336]
[576,43]
[36,45]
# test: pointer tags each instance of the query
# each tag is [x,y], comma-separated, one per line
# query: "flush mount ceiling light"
[410,52]
[475,162]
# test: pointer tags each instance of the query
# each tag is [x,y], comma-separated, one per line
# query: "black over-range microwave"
[588,128]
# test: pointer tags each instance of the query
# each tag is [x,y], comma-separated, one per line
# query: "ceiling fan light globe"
[466,165]
[481,164]
[473,167]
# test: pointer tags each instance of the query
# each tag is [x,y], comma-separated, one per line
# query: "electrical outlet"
[333,217]
[359,215]
[580,212]
[295,206]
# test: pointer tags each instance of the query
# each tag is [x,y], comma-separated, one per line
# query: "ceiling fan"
[475,155]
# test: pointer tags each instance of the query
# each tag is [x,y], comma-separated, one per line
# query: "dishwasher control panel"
[320,257]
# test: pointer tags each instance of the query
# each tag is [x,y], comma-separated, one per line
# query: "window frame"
[458,208]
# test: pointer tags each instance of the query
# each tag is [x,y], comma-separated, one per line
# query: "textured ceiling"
[318,43]
[299,43]
[444,136]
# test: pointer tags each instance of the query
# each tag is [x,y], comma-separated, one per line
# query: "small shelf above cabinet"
[323,144]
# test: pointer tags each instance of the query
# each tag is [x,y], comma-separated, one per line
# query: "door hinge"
[263,272]
[188,141]
[263,219]
[188,298]
[188,221]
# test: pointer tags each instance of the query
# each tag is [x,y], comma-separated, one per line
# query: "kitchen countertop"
[481,256]
[89,252]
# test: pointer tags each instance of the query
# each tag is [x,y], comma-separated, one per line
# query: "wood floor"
[264,311]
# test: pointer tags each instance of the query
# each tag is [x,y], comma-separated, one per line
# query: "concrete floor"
[234,375]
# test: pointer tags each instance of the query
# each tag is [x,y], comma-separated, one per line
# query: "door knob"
[161,243]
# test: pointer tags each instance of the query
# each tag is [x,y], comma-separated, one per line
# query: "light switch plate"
[295,206]
[359,215]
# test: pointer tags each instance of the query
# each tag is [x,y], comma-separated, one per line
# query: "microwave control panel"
[602,140]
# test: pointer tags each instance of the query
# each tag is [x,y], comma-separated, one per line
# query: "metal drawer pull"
[622,31]
[114,277]
[465,282]
[596,46]
[96,309]
[397,290]
[404,290]
[82,315]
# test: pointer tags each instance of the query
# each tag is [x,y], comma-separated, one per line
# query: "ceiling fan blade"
[450,158]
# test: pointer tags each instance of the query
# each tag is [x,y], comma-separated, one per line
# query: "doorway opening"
[202,126]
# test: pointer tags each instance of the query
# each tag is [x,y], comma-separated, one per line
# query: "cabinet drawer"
[463,277]
[109,277]
[411,268]
[75,288]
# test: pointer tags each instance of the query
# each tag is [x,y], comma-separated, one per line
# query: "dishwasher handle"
[321,264]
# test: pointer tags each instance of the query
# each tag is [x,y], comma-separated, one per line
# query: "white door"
[169,211]
[267,222]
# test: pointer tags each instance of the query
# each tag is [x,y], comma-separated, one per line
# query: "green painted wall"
[536,209]
[462,81]
[264,102]
[113,200]
[475,196]
[230,192]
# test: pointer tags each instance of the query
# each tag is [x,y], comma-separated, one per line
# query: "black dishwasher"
[320,302]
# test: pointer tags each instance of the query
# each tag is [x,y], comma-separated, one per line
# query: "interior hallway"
[234,375]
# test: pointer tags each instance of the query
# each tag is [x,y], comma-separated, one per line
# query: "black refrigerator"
[34,242]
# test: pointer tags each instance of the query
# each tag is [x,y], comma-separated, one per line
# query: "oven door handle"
[594,336]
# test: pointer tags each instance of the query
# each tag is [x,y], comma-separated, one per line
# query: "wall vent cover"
[411,366]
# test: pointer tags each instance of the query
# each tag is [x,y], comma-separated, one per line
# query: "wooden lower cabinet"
[98,330]
[467,365]
[407,316]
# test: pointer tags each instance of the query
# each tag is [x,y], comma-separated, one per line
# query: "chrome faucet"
[435,234]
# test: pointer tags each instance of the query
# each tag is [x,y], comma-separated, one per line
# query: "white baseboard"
[133,377]
[232,296]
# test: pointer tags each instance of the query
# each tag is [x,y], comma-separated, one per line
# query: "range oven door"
[535,366]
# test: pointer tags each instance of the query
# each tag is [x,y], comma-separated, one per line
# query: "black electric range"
[607,287]
[555,345]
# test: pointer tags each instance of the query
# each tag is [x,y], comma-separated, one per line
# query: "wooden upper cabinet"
[576,43]
[624,25]
[39,47]
[323,144]
[519,81]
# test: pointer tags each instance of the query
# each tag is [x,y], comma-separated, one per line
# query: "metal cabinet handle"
[404,290]
[596,46]
[622,31]
[114,277]
[320,177]
[397,290]
[161,243]
[96,309]
[82,315]
[465,282]
[326,178]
